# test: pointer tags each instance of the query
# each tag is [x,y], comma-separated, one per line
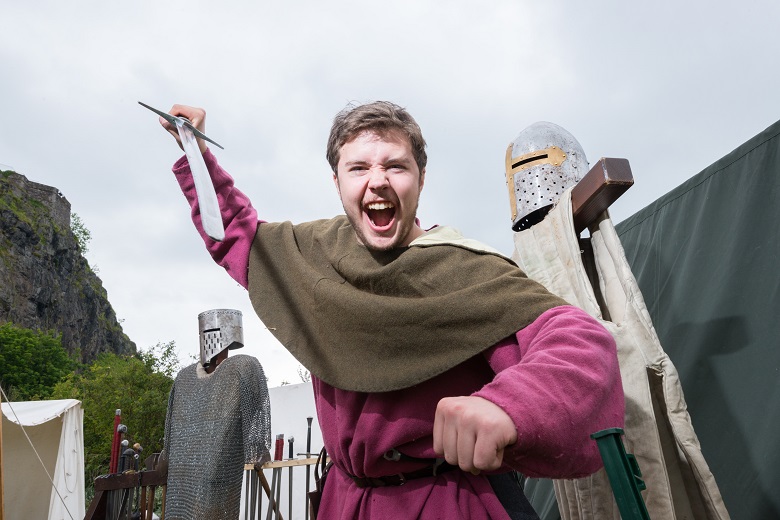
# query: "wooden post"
[600,187]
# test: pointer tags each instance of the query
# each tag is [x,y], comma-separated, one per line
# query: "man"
[421,344]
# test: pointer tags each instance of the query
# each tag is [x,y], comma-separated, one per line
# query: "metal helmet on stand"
[219,329]
[541,163]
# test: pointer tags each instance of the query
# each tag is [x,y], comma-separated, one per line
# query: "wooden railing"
[120,496]
[280,493]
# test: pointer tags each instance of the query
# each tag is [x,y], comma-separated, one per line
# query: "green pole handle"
[624,474]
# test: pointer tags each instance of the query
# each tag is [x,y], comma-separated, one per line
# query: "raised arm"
[238,216]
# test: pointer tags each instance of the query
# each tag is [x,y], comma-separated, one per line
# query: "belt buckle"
[437,465]
[392,455]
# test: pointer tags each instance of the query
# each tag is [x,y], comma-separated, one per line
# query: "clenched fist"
[472,432]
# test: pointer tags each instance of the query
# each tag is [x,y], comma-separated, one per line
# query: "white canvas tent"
[55,429]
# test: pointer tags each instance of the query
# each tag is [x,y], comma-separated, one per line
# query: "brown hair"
[380,117]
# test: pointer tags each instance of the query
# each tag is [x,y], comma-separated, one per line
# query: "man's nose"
[377,178]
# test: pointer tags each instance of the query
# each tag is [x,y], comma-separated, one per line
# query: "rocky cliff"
[45,282]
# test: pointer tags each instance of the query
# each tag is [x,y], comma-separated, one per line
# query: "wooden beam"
[97,508]
[598,189]
[130,480]
[288,463]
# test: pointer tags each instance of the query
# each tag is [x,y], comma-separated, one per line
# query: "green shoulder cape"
[371,321]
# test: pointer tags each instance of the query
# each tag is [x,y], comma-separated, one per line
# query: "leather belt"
[400,479]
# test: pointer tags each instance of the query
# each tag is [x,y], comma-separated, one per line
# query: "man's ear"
[422,179]
[336,182]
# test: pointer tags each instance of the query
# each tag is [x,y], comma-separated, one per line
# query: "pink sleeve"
[238,217]
[559,381]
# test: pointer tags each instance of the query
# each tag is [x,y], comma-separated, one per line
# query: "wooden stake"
[600,187]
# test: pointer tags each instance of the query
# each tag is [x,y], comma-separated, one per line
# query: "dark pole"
[289,477]
[308,467]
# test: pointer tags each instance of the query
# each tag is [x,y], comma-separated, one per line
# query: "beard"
[378,243]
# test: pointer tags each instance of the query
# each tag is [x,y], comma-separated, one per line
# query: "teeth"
[380,205]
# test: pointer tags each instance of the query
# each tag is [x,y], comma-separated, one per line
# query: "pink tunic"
[557,379]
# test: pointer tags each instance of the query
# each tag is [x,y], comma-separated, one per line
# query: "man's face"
[379,184]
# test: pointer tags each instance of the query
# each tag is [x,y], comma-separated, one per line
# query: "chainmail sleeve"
[162,462]
[255,413]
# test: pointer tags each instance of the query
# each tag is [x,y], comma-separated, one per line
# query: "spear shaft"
[308,468]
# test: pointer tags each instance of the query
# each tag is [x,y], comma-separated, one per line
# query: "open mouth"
[381,214]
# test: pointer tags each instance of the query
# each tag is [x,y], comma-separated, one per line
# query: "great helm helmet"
[541,163]
[219,329]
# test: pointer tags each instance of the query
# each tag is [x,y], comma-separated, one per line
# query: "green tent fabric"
[706,257]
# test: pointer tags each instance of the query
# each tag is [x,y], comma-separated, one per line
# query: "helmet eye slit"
[529,159]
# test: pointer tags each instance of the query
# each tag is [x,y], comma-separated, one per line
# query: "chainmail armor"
[215,424]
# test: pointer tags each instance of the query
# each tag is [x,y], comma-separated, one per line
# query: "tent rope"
[19,422]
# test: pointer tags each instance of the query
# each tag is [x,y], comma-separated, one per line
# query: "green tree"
[80,231]
[31,362]
[138,385]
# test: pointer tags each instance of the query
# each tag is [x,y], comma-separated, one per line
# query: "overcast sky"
[670,86]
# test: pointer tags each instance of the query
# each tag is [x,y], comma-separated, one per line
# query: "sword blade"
[210,214]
